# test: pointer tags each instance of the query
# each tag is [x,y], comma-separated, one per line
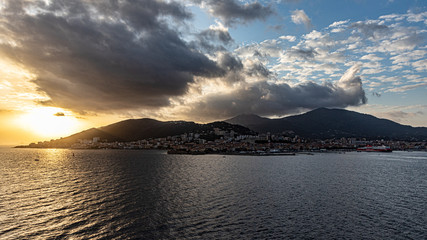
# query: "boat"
[374,149]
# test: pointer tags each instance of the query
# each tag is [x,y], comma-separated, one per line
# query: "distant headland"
[319,129]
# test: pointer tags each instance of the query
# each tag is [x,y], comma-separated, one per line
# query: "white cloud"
[371,57]
[375,84]
[372,71]
[396,46]
[420,65]
[374,65]
[314,35]
[395,67]
[407,87]
[386,79]
[218,26]
[408,56]
[390,17]
[316,39]
[412,77]
[260,51]
[338,23]
[288,38]
[416,17]
[300,17]
[337,30]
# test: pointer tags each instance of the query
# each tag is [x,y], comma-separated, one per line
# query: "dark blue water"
[117,194]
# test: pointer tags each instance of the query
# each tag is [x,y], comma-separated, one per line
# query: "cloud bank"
[100,55]
[118,56]
[266,99]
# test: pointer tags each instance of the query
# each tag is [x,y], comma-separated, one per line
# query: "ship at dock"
[374,149]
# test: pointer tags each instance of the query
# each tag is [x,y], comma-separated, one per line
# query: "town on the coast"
[228,142]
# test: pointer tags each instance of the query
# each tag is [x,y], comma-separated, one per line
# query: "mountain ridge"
[146,128]
[323,123]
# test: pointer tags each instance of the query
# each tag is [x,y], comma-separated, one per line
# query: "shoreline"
[241,153]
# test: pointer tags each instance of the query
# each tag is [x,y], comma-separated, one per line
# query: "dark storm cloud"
[216,35]
[264,98]
[258,70]
[231,11]
[229,62]
[213,40]
[59,114]
[104,55]
[232,66]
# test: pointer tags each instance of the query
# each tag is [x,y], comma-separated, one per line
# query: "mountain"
[248,120]
[326,123]
[321,123]
[138,129]
[90,134]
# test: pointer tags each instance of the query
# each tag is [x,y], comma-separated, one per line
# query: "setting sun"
[49,122]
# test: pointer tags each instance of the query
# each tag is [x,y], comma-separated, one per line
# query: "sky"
[69,65]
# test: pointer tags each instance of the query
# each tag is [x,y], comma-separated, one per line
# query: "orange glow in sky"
[49,122]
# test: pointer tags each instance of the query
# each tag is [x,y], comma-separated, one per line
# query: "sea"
[134,194]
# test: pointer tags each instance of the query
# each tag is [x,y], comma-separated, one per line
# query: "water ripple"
[150,195]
